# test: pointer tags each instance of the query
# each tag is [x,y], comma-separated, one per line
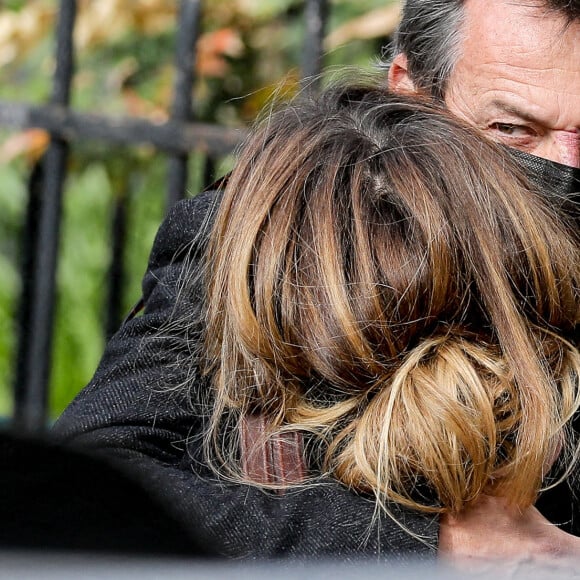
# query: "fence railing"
[178,137]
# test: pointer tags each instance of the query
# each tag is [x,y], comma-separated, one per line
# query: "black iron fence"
[177,138]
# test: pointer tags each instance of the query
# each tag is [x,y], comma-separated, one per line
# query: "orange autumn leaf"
[213,47]
[30,144]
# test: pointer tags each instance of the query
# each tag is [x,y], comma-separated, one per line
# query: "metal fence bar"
[32,377]
[172,136]
[316,16]
[181,110]
[116,274]
[28,260]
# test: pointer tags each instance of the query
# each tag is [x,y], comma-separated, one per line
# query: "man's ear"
[398,77]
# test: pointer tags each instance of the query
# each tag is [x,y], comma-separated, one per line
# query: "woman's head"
[382,277]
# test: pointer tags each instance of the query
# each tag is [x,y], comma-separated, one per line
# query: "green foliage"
[83,275]
[14,5]
[131,73]
[81,280]
[12,202]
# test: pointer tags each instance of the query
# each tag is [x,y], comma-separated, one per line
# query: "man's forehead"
[518,28]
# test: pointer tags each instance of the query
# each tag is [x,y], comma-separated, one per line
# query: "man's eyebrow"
[514,110]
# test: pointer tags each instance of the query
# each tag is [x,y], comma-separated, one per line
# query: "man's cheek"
[568,143]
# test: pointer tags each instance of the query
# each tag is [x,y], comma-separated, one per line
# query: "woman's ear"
[398,76]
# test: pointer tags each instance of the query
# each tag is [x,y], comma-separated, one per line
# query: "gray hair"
[430,35]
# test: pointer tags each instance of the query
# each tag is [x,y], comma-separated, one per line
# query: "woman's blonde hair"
[384,280]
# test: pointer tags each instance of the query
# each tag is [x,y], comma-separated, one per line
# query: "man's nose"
[563,147]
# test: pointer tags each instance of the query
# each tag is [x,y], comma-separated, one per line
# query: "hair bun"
[448,418]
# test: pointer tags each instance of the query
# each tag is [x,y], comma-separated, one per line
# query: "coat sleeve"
[135,413]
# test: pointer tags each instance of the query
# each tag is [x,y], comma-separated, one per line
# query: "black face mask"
[560,183]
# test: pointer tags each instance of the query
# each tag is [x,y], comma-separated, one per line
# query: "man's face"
[518,78]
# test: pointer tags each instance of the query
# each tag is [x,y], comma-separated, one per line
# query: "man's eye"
[511,130]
